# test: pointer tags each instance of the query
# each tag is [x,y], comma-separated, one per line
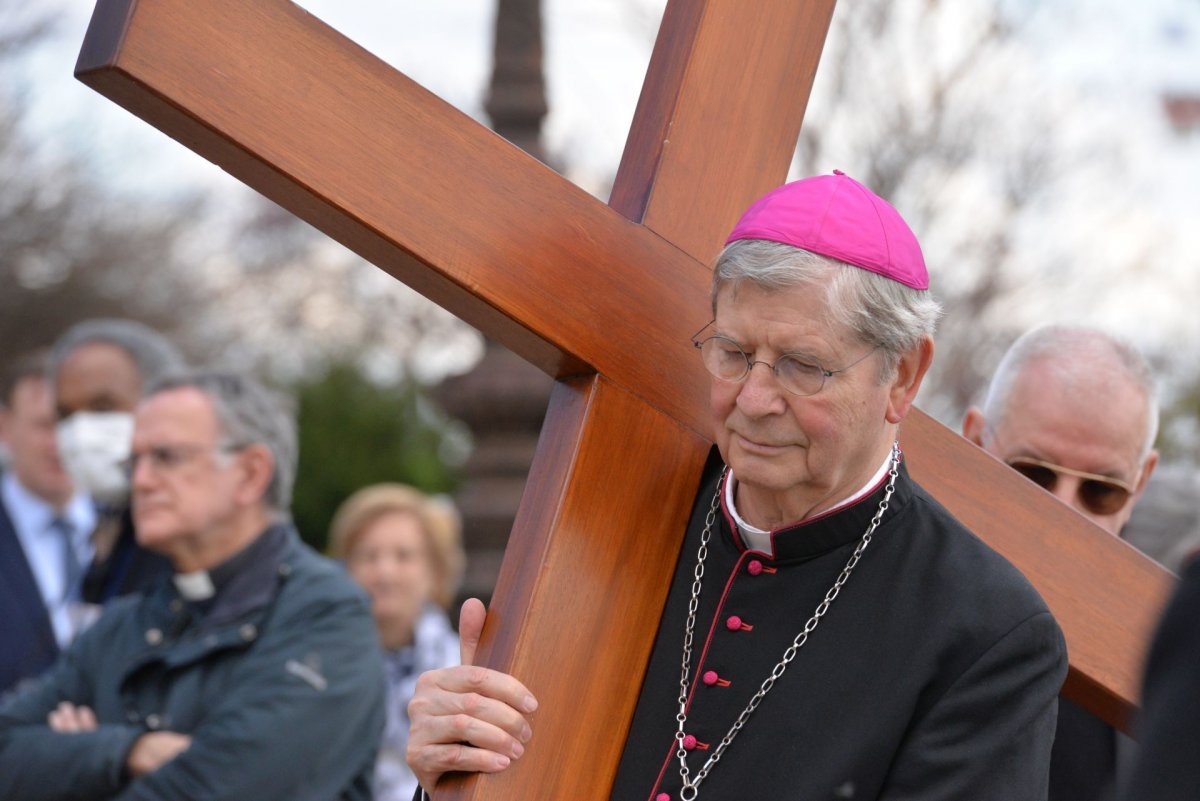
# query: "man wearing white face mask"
[100,369]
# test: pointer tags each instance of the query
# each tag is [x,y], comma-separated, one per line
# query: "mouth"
[146,507]
[755,446]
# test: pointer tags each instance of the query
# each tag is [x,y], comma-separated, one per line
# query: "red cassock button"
[754,568]
[662,797]
[689,742]
[710,677]
[733,623]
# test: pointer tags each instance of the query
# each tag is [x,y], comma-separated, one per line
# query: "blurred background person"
[44,529]
[405,549]
[100,369]
[250,672]
[1075,410]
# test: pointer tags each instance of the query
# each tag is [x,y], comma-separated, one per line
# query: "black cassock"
[933,675]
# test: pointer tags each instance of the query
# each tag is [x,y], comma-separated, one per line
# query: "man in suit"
[44,531]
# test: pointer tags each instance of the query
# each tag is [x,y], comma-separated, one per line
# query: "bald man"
[1075,410]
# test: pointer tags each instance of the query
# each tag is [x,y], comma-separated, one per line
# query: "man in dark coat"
[1041,418]
[831,632]
[252,672]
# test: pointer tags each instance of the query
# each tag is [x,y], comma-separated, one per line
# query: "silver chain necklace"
[691,787]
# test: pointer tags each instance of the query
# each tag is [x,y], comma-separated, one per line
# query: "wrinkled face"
[97,377]
[1104,437]
[183,486]
[793,455]
[391,560]
[27,428]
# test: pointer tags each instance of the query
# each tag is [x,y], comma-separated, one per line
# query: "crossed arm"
[150,751]
[277,736]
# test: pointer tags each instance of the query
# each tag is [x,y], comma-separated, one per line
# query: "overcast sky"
[1122,54]
[597,51]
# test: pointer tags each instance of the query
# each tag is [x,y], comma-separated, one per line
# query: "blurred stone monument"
[503,400]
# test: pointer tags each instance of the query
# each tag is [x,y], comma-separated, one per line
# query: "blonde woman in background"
[405,549]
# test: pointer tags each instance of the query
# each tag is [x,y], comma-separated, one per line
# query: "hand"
[67,718]
[467,718]
[154,749]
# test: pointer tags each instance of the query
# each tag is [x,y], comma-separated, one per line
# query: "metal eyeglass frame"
[698,344]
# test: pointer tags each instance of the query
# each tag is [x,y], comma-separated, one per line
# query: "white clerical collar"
[195,586]
[758,539]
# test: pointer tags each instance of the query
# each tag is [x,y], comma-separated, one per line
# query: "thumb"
[470,626]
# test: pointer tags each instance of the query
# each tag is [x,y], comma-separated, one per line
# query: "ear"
[974,425]
[1147,468]
[907,381]
[258,467]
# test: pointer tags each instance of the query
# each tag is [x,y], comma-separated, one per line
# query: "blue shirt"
[33,519]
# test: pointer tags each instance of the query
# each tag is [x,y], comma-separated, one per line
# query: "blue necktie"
[72,569]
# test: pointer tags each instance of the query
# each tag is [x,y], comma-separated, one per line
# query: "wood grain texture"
[584,581]
[720,111]
[314,122]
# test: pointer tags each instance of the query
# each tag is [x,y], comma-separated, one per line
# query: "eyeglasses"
[165,458]
[726,361]
[1100,495]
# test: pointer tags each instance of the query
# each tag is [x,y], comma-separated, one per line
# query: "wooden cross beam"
[601,297]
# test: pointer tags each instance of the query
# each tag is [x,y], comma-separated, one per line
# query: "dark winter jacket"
[281,692]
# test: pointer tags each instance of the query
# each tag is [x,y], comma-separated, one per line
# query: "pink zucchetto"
[836,216]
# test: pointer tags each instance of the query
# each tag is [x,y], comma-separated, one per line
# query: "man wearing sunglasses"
[831,631]
[1075,411]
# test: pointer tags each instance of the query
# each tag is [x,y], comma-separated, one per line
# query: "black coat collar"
[829,531]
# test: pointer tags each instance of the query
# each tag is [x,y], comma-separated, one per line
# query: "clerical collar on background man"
[757,539]
[243,582]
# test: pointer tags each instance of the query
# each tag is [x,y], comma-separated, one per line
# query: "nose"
[760,393]
[142,474]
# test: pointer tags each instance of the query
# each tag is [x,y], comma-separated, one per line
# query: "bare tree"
[68,250]
[291,301]
[942,108]
[229,275]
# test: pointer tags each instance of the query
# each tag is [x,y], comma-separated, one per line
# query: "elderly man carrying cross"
[831,630]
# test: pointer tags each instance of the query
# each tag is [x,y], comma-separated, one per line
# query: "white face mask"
[93,447]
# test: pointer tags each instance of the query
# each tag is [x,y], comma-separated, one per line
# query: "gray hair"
[151,352]
[1070,350]
[248,414]
[881,312]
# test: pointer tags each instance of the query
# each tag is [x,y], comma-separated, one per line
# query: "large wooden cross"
[601,297]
